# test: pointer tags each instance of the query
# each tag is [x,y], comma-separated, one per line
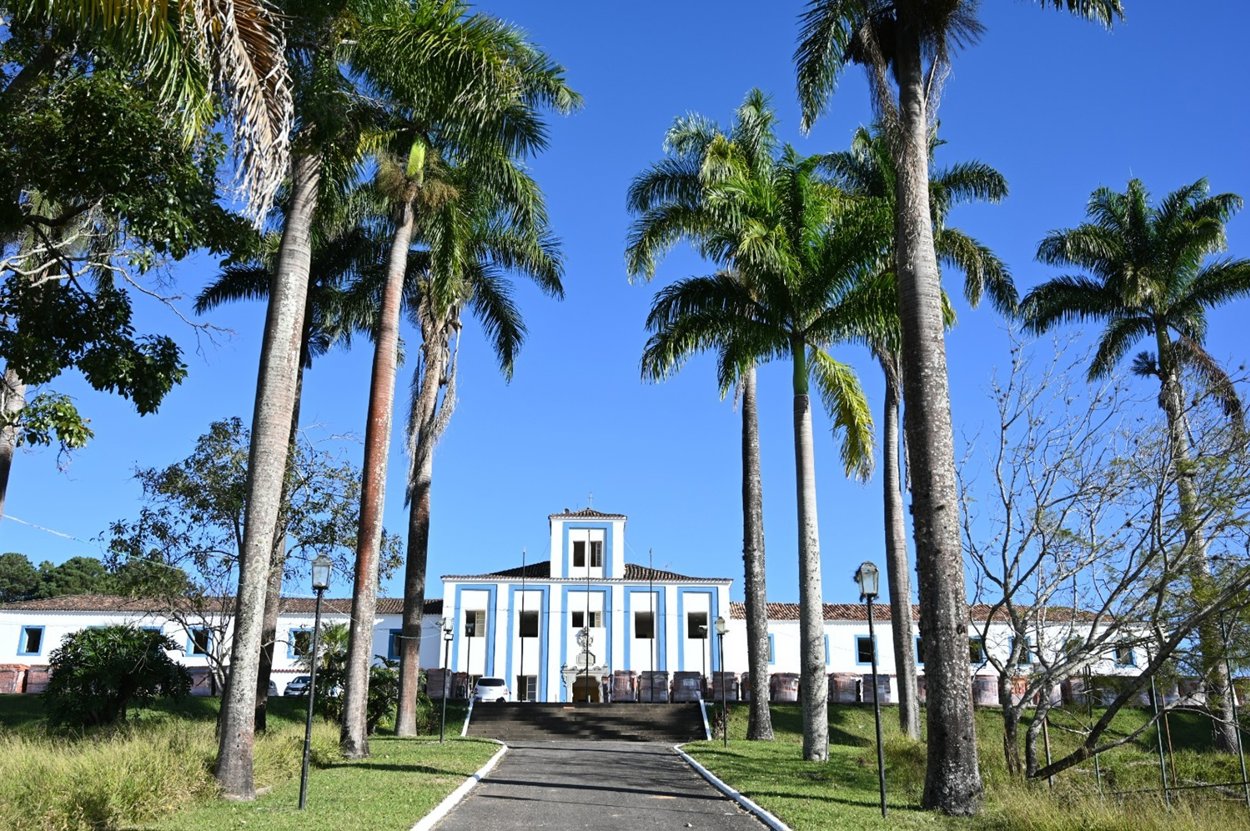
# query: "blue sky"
[1060,107]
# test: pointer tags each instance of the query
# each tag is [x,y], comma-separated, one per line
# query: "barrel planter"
[624,685]
[783,686]
[744,686]
[653,687]
[435,683]
[984,690]
[883,688]
[12,678]
[922,692]
[726,683]
[687,686]
[844,687]
[1075,692]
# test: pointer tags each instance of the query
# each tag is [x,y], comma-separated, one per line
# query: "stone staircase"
[621,722]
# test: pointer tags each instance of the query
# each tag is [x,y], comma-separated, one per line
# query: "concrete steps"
[621,722]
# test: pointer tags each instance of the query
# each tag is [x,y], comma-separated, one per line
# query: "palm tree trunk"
[271,430]
[952,779]
[813,681]
[760,720]
[12,401]
[354,738]
[277,562]
[897,572]
[1219,692]
[425,410]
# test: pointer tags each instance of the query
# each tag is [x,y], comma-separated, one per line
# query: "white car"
[491,689]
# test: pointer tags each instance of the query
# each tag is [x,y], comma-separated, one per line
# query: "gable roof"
[140,605]
[542,571]
[585,513]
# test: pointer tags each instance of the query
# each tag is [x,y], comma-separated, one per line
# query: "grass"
[843,792]
[155,771]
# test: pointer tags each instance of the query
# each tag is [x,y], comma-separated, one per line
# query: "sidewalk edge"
[750,806]
[454,798]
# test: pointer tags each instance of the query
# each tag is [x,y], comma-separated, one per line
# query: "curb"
[752,808]
[455,797]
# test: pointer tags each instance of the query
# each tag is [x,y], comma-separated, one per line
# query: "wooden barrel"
[922,692]
[784,686]
[687,686]
[984,690]
[844,687]
[653,687]
[726,680]
[624,685]
[744,686]
[883,688]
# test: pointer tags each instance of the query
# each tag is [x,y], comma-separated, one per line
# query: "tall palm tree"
[1148,273]
[196,51]
[471,245]
[906,46]
[866,170]
[434,52]
[429,130]
[801,259]
[669,201]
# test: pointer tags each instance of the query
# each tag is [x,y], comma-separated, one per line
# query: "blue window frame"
[864,650]
[1124,655]
[199,641]
[30,640]
[298,642]
[976,650]
[392,644]
[826,650]
[920,652]
[772,649]
[1027,658]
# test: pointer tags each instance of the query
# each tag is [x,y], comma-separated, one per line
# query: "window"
[644,625]
[696,625]
[772,650]
[579,554]
[1026,654]
[529,624]
[579,620]
[920,651]
[527,687]
[826,650]
[200,642]
[596,553]
[30,641]
[863,649]
[392,644]
[1124,656]
[299,643]
[976,650]
[474,623]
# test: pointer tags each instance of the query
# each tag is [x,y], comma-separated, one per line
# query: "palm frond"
[844,399]
[1116,340]
[1066,299]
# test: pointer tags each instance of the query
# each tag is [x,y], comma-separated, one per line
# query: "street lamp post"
[724,701]
[449,632]
[321,567]
[867,577]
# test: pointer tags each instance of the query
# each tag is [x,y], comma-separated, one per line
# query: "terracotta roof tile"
[542,571]
[881,612]
[585,513]
[116,603]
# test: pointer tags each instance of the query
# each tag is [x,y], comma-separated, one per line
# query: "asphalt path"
[595,784]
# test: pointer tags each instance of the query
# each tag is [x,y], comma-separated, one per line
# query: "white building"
[557,630]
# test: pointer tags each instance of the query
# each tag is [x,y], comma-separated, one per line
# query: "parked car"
[491,689]
[297,686]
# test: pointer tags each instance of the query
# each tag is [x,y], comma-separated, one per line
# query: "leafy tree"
[669,201]
[462,69]
[77,575]
[906,48]
[866,171]
[19,580]
[99,673]
[332,674]
[1149,272]
[802,263]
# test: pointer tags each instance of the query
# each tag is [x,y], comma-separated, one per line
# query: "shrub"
[97,674]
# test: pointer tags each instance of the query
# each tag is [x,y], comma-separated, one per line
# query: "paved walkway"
[595,785]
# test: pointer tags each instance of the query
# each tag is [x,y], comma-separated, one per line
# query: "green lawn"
[843,793]
[402,781]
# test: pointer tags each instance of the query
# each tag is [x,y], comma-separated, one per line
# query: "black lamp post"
[724,701]
[867,577]
[449,632]
[321,567]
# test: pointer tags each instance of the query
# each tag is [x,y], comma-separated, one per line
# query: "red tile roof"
[585,513]
[542,571]
[881,612]
[117,603]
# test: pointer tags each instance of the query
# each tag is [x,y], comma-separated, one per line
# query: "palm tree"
[801,260]
[430,52]
[471,244]
[342,252]
[867,171]
[668,199]
[429,130]
[906,46]
[195,51]
[1148,273]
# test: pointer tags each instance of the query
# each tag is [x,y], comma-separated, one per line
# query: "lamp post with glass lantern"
[449,632]
[724,701]
[867,578]
[321,567]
